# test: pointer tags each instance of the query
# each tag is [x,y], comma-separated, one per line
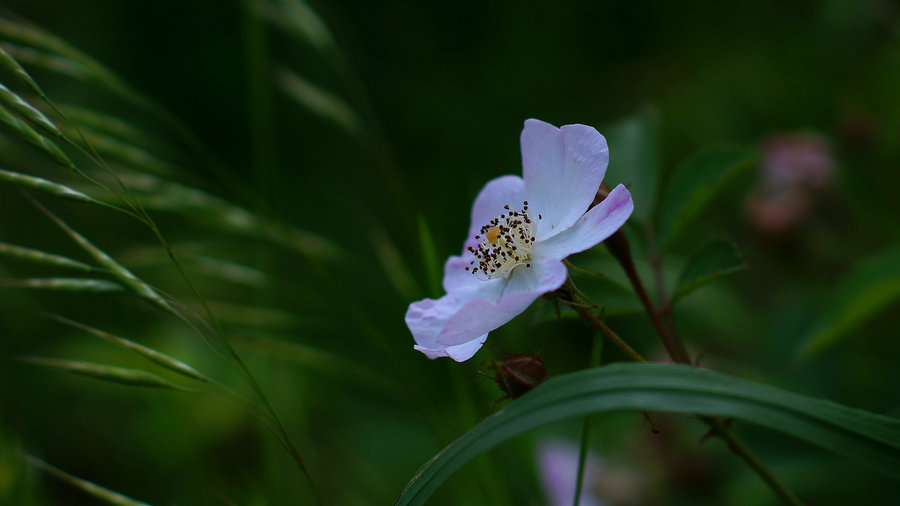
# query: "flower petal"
[562,168]
[594,227]
[480,316]
[460,352]
[491,199]
[460,281]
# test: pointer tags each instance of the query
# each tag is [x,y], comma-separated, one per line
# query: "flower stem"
[621,250]
[741,449]
[588,316]
[596,351]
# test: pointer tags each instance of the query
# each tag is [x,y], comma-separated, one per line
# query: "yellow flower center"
[504,244]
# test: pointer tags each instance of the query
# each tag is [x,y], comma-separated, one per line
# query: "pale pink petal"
[504,190]
[458,280]
[563,169]
[460,352]
[594,227]
[480,316]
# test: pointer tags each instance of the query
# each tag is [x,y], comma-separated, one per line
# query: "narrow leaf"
[297,17]
[872,286]
[101,493]
[125,376]
[46,186]
[132,282]
[713,260]
[320,102]
[430,257]
[41,257]
[695,184]
[394,265]
[27,111]
[157,357]
[65,284]
[868,438]
[203,207]
[633,160]
[10,64]
[24,132]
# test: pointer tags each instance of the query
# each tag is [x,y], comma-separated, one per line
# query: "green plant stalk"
[738,447]
[621,250]
[596,353]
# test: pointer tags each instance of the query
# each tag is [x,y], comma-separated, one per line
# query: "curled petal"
[562,168]
[594,227]
[460,352]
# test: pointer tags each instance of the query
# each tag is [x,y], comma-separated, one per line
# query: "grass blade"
[65,284]
[41,257]
[132,282]
[101,493]
[24,132]
[862,436]
[27,111]
[46,186]
[13,66]
[872,286]
[212,210]
[320,102]
[154,356]
[122,375]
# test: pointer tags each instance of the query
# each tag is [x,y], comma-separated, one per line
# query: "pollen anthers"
[504,243]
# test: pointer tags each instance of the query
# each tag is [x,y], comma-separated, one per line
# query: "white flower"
[521,230]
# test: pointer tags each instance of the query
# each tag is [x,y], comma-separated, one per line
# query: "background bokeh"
[375,128]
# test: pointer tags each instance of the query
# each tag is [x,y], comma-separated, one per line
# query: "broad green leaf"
[865,437]
[872,286]
[695,184]
[633,160]
[713,260]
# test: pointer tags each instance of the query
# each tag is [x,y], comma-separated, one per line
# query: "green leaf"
[695,184]
[713,260]
[45,186]
[65,284]
[42,257]
[125,376]
[872,286]
[170,363]
[320,102]
[865,437]
[633,160]
[104,494]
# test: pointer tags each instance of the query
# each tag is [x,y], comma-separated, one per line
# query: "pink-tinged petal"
[562,168]
[460,281]
[460,352]
[504,190]
[594,227]
[480,316]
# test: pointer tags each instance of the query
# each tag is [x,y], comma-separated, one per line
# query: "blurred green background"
[373,125]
